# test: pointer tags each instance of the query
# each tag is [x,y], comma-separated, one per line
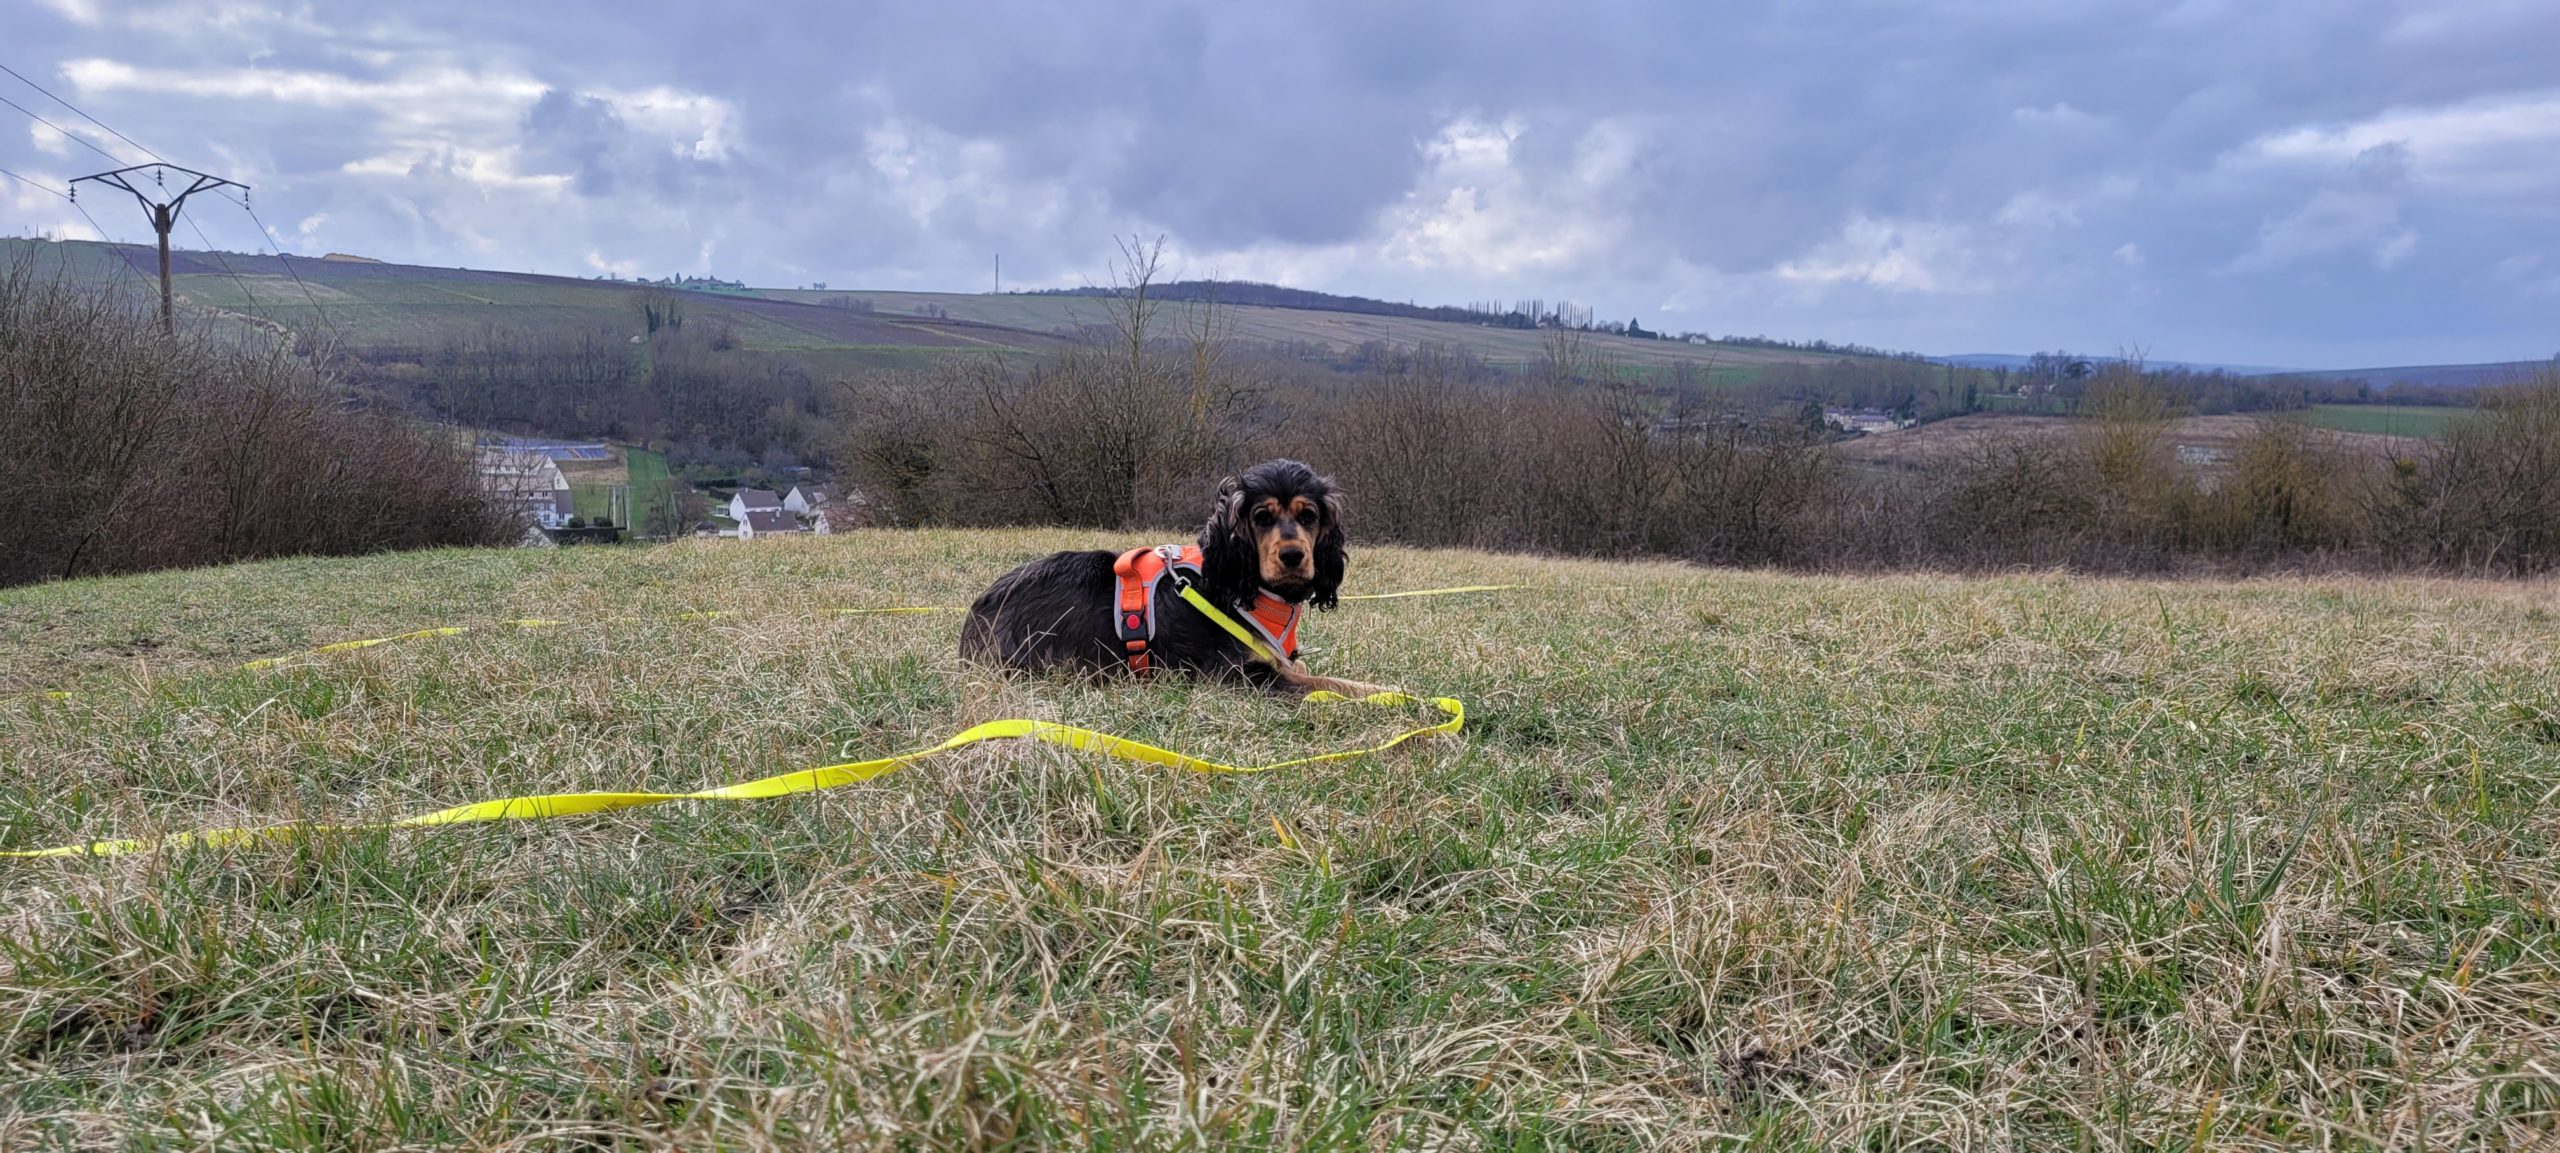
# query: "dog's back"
[1052,612]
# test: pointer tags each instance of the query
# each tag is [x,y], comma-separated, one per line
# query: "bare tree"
[661,309]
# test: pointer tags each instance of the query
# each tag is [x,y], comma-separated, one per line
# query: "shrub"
[2486,497]
[2290,493]
[122,449]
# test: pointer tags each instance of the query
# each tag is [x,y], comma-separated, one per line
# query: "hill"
[366,303]
[2429,375]
[370,304]
[2013,362]
[2016,862]
[2437,375]
[1246,292]
[1336,332]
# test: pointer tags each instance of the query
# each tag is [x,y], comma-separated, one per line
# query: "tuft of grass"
[1725,858]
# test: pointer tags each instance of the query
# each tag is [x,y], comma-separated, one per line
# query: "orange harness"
[1140,568]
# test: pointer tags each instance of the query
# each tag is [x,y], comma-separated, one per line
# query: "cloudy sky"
[2323,183]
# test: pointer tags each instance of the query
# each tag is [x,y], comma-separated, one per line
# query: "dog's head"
[1278,527]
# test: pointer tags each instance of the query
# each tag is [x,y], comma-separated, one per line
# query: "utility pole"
[164,215]
[999,274]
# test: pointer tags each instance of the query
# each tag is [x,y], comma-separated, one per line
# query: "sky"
[2315,184]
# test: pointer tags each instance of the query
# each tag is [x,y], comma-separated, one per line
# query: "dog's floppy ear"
[1331,556]
[1229,561]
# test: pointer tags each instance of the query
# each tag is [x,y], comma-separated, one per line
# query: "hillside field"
[2384,419]
[1814,862]
[367,304]
[1340,331]
[1926,448]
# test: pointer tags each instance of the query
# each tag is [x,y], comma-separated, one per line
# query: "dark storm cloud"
[578,134]
[2311,182]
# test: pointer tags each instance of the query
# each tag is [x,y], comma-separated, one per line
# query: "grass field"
[591,484]
[1812,862]
[370,304]
[2384,419]
[648,472]
[1341,331]
[1929,448]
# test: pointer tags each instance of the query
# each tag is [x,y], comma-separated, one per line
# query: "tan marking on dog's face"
[1280,528]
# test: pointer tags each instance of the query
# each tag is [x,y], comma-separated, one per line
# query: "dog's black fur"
[1058,611]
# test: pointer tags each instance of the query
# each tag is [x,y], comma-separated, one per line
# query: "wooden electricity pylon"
[163,214]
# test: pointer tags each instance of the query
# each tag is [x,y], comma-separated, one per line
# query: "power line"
[269,237]
[100,229]
[113,245]
[115,248]
[225,262]
[243,202]
[66,133]
[34,185]
[74,201]
[22,79]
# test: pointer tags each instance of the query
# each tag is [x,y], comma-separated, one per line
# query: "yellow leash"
[1430,592]
[541,805]
[1261,651]
[538,806]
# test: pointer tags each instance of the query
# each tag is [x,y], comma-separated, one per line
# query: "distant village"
[527,478]
[760,512]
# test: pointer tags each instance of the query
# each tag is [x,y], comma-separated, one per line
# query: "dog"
[1273,545]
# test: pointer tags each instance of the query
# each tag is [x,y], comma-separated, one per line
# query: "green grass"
[592,501]
[2385,419]
[649,478]
[1796,862]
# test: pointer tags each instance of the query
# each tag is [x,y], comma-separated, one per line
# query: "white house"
[751,500]
[1866,420]
[804,497]
[768,522]
[529,483]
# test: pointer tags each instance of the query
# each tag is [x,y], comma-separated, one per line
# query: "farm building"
[528,483]
[1865,420]
[555,449]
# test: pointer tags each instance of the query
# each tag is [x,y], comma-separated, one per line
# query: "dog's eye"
[1306,516]
[1262,516]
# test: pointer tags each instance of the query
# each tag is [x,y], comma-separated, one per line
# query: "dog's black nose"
[1292,556]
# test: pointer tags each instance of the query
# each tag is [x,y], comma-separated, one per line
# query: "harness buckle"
[1174,569]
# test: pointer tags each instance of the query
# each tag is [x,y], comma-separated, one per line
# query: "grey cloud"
[900,144]
[577,134]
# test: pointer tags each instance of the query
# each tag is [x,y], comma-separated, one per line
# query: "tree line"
[1578,455]
[684,385]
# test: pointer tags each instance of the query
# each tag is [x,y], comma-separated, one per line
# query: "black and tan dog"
[1273,545]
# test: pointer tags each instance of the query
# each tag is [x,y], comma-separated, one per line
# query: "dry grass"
[1723,858]
[1939,443]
